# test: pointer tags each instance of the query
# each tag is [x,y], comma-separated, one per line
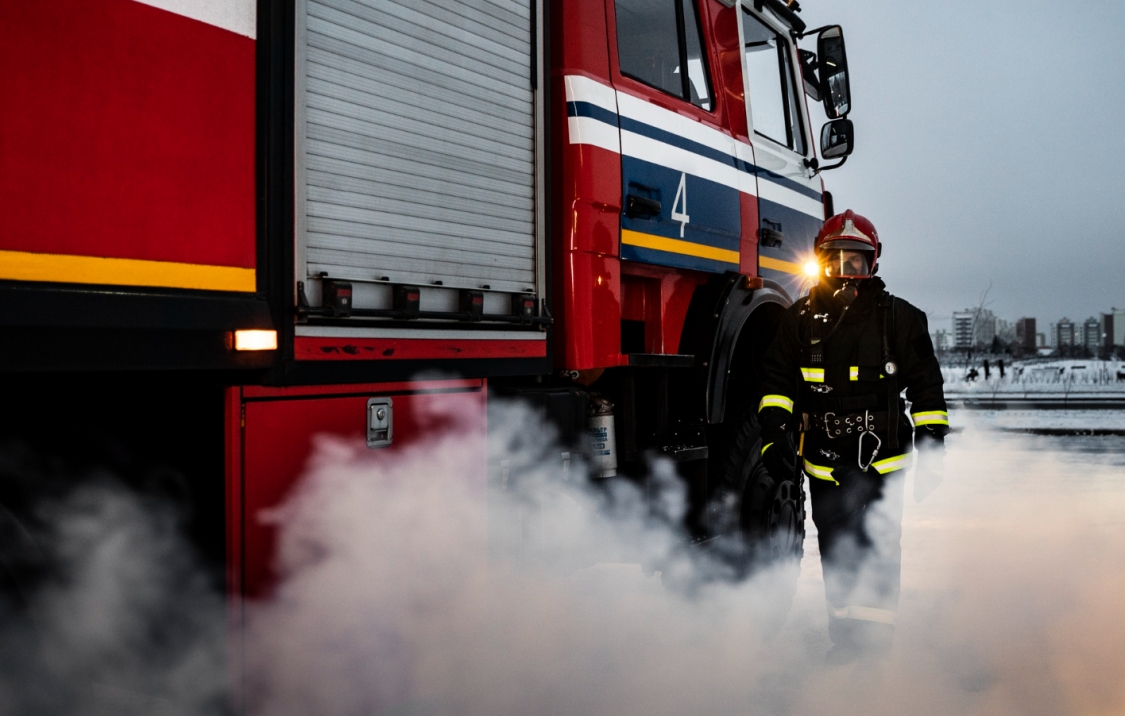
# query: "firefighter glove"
[778,453]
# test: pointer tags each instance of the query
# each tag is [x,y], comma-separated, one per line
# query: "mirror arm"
[831,166]
[815,30]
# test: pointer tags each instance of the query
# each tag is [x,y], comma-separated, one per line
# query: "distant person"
[972,375]
[1000,367]
[987,373]
[832,381]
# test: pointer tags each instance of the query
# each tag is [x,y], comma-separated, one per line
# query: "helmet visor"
[846,263]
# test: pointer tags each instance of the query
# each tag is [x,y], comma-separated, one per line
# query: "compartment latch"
[380,422]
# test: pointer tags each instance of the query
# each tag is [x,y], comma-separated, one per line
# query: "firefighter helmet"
[848,246]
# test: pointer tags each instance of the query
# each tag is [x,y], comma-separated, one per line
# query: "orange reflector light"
[255,340]
[811,268]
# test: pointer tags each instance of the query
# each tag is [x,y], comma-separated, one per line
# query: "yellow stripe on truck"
[66,268]
[779,265]
[676,246]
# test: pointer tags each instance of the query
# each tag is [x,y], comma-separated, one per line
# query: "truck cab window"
[656,39]
[769,74]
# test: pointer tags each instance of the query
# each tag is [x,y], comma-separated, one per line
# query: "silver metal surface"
[419,143]
[380,422]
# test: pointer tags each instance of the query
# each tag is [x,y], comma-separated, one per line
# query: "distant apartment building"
[973,327]
[940,338]
[1091,334]
[1005,331]
[1113,328]
[1026,335]
[1063,334]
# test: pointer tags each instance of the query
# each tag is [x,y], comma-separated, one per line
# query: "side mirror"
[837,139]
[834,86]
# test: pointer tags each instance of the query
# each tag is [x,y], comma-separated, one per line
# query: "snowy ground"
[1062,377]
[1038,420]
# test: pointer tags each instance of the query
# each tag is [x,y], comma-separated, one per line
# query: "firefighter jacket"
[839,372]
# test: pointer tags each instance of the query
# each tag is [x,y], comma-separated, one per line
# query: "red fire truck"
[228,227]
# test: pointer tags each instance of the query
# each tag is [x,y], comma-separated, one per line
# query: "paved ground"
[1012,581]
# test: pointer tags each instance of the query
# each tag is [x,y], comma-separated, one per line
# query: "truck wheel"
[771,509]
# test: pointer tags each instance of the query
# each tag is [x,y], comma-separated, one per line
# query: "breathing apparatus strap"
[817,336]
[894,414]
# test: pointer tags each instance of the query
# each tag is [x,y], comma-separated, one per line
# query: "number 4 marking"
[679,206]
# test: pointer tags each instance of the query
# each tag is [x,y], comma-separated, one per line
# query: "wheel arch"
[728,328]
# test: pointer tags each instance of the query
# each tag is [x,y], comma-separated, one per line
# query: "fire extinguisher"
[602,438]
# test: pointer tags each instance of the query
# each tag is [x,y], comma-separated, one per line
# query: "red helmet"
[841,238]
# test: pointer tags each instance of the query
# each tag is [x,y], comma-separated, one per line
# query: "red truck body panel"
[272,434]
[127,147]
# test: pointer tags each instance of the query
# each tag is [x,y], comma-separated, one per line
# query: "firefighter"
[831,406]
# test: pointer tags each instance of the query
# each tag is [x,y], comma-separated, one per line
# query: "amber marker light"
[255,340]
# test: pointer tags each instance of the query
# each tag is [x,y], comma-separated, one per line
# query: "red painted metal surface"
[276,437]
[586,277]
[305,348]
[252,392]
[232,406]
[232,409]
[660,297]
[127,132]
[593,312]
[721,28]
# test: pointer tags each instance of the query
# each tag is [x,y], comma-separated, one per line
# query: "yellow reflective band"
[813,375]
[779,265]
[775,401]
[853,372]
[67,268]
[865,614]
[767,447]
[931,417]
[898,462]
[676,246]
[819,472]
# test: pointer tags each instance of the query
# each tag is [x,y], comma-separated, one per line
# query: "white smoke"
[410,584]
[124,622]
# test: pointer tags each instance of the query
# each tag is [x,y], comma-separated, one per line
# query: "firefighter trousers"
[859,531]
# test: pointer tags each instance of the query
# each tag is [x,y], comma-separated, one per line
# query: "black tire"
[770,526]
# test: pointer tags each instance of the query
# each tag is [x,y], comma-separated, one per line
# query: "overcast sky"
[990,146]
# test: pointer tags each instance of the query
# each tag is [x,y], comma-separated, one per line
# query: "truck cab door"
[790,203]
[680,170]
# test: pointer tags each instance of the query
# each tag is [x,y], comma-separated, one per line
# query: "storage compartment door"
[416,136]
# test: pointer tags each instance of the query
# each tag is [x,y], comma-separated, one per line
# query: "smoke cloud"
[410,586]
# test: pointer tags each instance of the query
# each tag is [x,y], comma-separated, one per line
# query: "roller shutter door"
[418,142]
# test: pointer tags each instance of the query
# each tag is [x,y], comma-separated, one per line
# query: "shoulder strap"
[890,368]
